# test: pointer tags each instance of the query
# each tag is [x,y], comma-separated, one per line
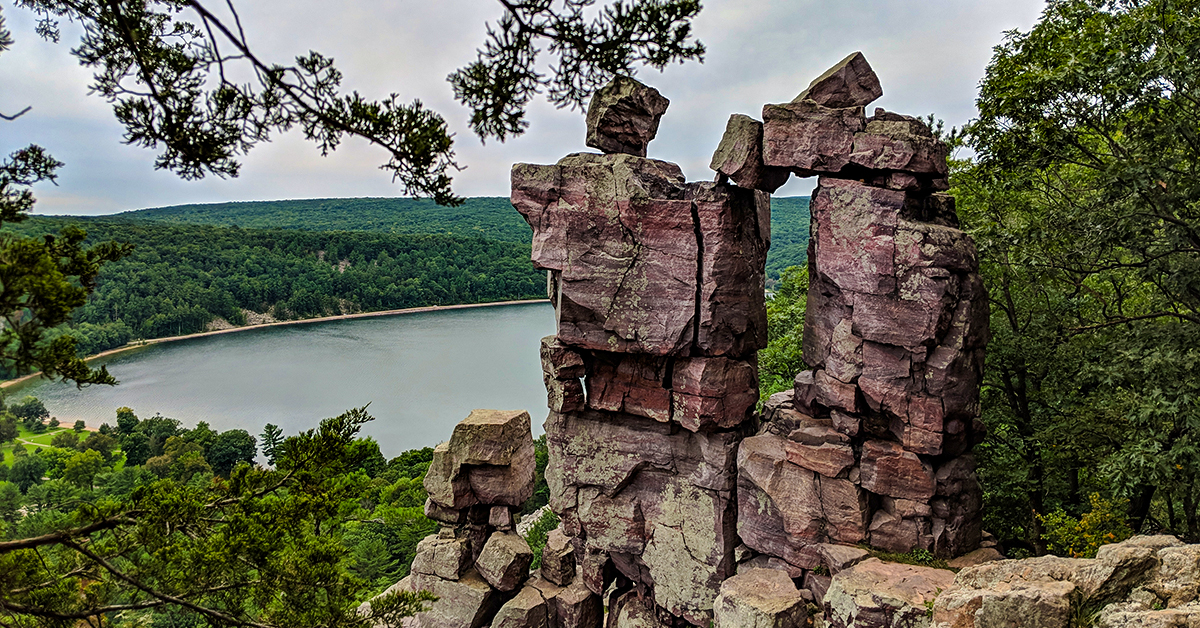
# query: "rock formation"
[1146,582]
[872,445]
[658,287]
[664,482]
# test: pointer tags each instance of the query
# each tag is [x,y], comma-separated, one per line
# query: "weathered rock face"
[488,460]
[873,444]
[665,482]
[623,116]
[876,594]
[658,287]
[760,598]
[1145,581]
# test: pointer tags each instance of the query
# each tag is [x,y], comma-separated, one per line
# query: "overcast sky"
[929,55]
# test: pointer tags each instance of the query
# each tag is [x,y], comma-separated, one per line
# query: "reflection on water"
[421,373]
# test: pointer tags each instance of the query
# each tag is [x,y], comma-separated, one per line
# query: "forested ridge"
[491,217]
[180,278]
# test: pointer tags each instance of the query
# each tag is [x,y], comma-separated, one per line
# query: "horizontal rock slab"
[760,598]
[849,83]
[895,142]
[810,139]
[739,156]
[623,116]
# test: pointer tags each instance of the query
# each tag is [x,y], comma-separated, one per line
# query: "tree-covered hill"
[789,234]
[180,278]
[491,217]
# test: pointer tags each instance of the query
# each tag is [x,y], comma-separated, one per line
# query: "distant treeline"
[180,278]
[491,217]
[488,217]
[789,234]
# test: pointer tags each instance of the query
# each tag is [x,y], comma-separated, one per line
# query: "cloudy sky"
[929,54]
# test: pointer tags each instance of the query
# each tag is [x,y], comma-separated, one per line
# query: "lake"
[421,373]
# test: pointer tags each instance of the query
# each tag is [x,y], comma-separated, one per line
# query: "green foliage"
[1080,537]
[65,440]
[296,545]
[783,357]
[591,45]
[27,470]
[541,490]
[272,437]
[42,280]
[538,534]
[491,218]
[1087,219]
[917,556]
[789,235]
[230,448]
[182,277]
[79,426]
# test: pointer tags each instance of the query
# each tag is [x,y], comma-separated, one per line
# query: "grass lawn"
[39,440]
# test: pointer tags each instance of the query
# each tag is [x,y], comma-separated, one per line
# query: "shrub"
[1080,538]
[538,534]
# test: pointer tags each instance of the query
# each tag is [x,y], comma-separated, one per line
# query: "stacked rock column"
[657,286]
[872,445]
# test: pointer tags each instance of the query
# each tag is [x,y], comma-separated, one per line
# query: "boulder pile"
[476,564]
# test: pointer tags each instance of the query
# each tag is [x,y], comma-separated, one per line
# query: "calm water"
[421,373]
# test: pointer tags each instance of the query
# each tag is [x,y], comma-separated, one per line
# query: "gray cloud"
[929,55]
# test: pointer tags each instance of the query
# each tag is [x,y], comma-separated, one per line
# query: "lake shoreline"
[305,321]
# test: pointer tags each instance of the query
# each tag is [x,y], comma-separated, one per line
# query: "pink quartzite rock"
[649,500]
[759,598]
[889,470]
[560,361]
[902,143]
[856,226]
[464,603]
[883,595]
[623,116]
[620,241]
[709,392]
[739,156]
[445,558]
[504,561]
[528,609]
[577,607]
[849,83]
[810,139]
[558,558]
[632,384]
[734,227]
[622,238]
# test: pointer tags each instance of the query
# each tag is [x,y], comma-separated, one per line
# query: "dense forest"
[180,278]
[365,523]
[491,217]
